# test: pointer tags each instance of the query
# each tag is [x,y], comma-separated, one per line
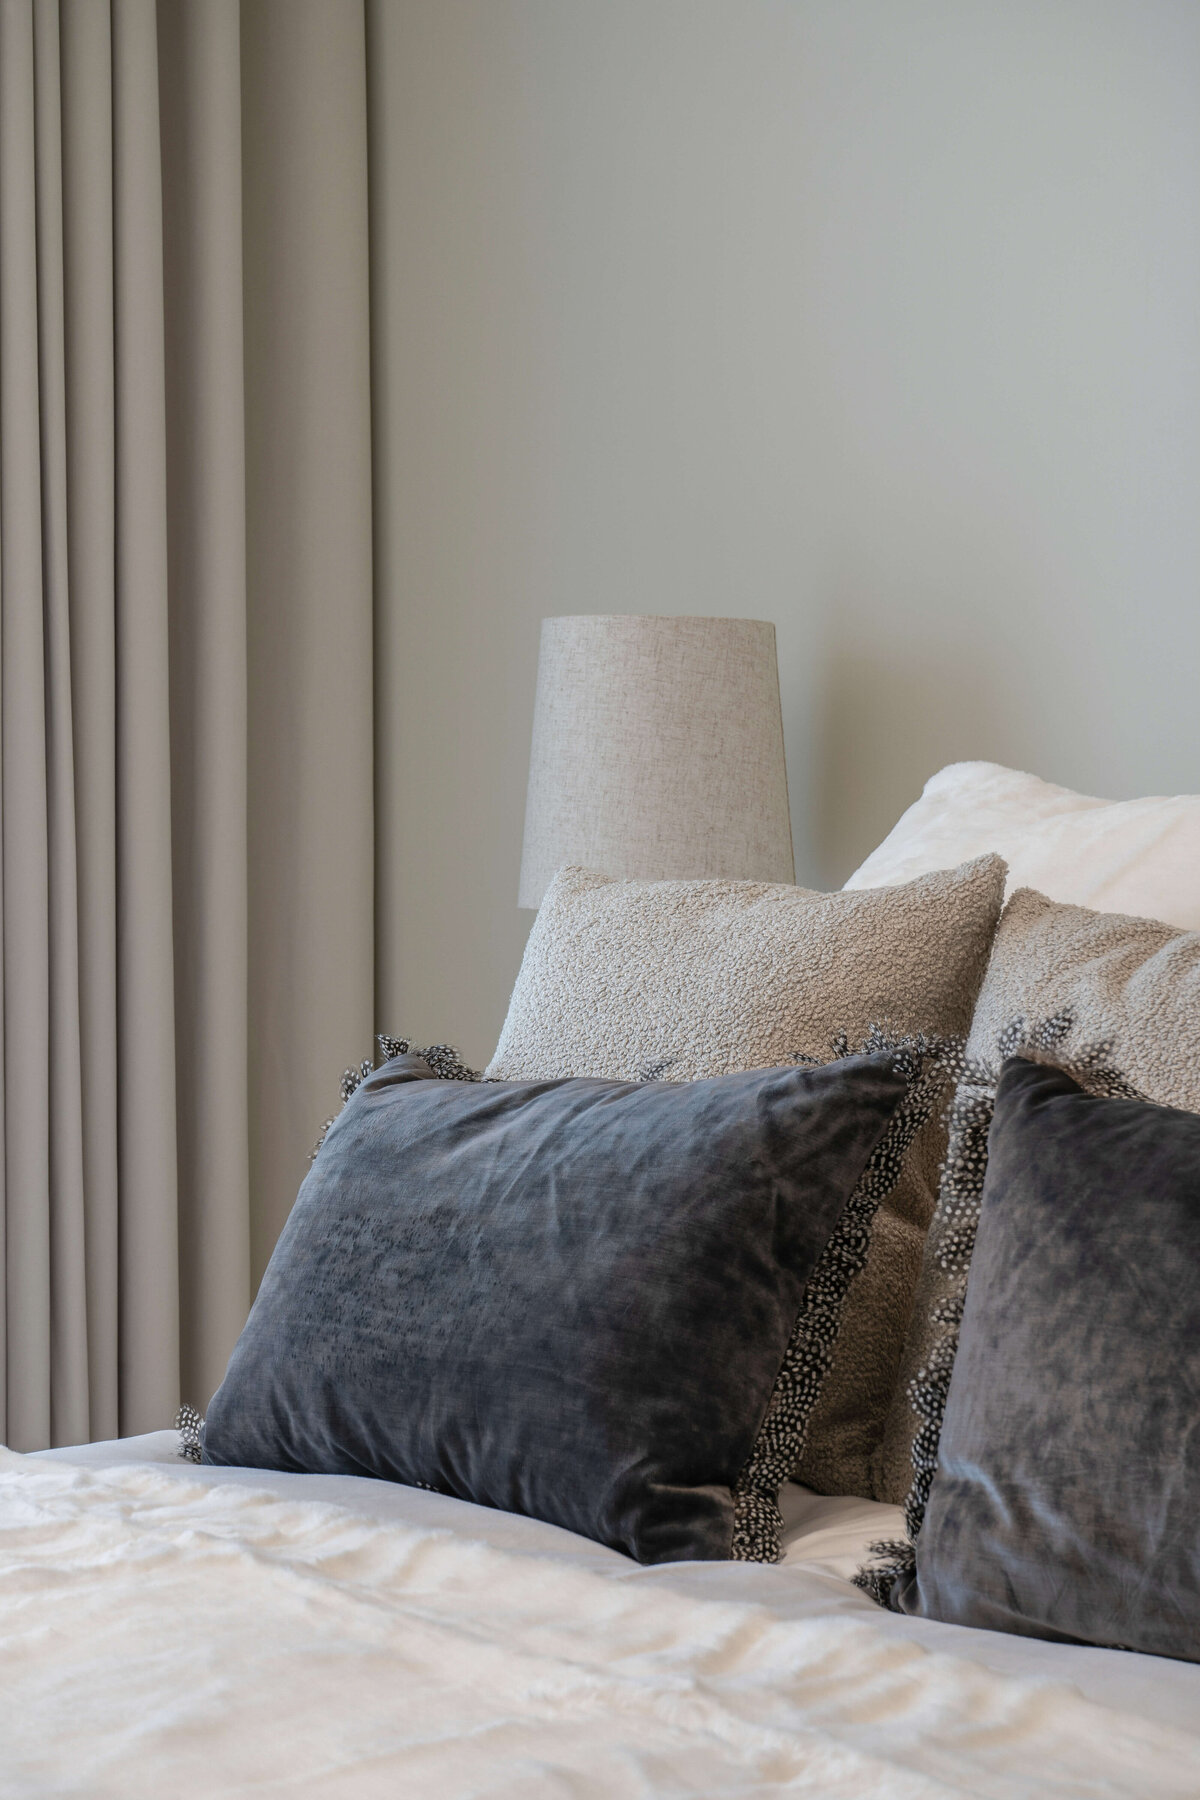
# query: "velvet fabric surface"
[570,1299]
[1067,1491]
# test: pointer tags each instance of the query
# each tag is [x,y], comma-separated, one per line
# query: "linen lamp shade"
[657,752]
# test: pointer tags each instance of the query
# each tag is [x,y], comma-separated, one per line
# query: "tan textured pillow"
[680,980]
[1114,1000]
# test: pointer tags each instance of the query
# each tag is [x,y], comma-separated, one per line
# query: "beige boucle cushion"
[1116,1001]
[680,980]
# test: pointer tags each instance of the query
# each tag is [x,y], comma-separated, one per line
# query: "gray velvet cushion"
[1067,1493]
[576,1299]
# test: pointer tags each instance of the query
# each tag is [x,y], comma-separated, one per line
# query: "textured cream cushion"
[679,980]
[1140,857]
[1113,999]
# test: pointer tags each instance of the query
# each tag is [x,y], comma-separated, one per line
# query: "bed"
[175,1629]
[172,1628]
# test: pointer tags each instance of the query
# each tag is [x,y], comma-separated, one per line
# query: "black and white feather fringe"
[443,1059]
[929,1065]
[190,1427]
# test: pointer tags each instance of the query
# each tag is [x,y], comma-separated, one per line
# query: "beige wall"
[878,318]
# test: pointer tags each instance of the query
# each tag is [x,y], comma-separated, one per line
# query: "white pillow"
[1125,856]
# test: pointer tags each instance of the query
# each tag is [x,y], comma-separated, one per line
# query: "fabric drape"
[185,674]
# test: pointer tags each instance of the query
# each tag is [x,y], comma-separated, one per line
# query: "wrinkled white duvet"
[165,1633]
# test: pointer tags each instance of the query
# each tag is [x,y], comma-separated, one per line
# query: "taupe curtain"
[185,674]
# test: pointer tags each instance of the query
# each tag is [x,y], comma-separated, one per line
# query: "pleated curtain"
[186,707]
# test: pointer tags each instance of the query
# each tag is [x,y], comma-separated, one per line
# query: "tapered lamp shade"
[657,752]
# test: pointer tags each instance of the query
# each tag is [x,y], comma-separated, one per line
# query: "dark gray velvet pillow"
[1066,1502]
[575,1299]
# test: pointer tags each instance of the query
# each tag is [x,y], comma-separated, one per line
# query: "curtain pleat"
[186,761]
[146,1128]
[87,151]
[69,1407]
[27,1193]
[200,89]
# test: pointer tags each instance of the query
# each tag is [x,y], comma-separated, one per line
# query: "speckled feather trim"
[929,1066]
[190,1427]
[957,1218]
[443,1059]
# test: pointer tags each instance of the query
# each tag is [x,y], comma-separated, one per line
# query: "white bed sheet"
[694,1678]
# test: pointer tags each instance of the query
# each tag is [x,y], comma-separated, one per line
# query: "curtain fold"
[87,203]
[186,759]
[148,1232]
[200,93]
[23,758]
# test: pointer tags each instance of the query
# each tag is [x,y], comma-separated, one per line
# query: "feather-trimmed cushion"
[583,1300]
[1067,1485]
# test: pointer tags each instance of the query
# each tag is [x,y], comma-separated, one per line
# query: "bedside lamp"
[657,752]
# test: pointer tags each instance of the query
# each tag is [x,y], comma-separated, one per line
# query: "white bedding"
[172,1630]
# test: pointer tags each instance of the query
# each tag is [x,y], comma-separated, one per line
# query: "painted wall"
[878,318]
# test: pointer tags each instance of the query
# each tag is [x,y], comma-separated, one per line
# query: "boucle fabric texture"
[1113,1000]
[1068,1479]
[683,980]
[571,1299]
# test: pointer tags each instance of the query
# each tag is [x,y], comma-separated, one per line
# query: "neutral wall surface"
[877,318]
[309,637]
